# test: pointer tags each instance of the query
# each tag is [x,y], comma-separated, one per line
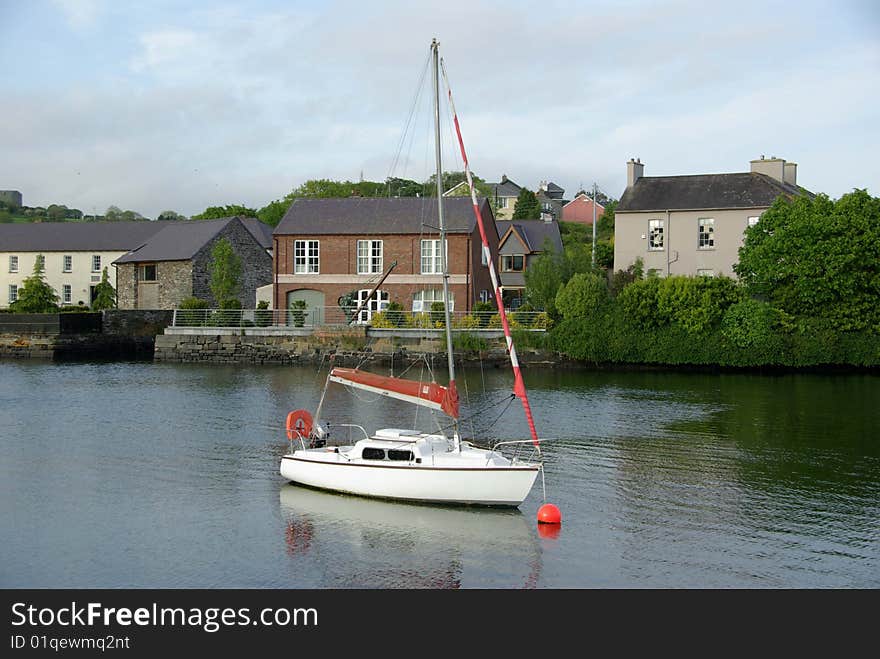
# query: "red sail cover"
[429,394]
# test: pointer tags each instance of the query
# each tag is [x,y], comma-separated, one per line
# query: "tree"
[105,294]
[170,216]
[217,212]
[582,296]
[224,271]
[527,206]
[817,257]
[544,276]
[56,213]
[35,295]
[272,212]
[113,214]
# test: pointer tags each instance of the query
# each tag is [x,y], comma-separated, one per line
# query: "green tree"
[273,212]
[105,294]
[224,270]
[543,278]
[35,295]
[113,214]
[527,206]
[56,213]
[170,216]
[818,258]
[217,212]
[583,296]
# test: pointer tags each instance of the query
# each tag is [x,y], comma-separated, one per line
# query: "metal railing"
[314,317]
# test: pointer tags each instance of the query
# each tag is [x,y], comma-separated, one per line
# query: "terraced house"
[329,248]
[74,255]
[694,224]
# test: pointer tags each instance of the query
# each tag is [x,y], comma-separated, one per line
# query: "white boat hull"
[488,486]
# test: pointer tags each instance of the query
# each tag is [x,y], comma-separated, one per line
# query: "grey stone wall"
[136,322]
[256,265]
[126,286]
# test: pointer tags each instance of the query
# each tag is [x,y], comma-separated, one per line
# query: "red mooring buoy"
[549,514]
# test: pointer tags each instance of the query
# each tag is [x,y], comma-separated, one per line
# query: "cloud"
[80,14]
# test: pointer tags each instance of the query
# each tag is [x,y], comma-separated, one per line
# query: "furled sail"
[427,394]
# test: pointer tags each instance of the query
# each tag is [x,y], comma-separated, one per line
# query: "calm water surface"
[159,475]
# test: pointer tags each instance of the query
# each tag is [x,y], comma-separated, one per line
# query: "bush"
[190,312]
[394,313]
[466,342]
[583,296]
[262,314]
[483,312]
[298,313]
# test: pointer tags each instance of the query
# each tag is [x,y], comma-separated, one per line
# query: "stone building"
[174,264]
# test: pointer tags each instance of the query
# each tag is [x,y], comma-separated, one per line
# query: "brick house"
[521,242]
[173,264]
[694,224]
[580,210]
[327,248]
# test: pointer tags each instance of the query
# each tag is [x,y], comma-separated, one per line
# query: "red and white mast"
[519,387]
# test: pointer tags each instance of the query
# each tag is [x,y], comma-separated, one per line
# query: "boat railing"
[349,425]
[518,454]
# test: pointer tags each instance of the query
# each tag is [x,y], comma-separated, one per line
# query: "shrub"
[189,312]
[467,342]
[582,296]
[395,315]
[262,314]
[298,313]
[438,314]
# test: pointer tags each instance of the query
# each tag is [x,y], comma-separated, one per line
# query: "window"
[705,273]
[13,293]
[306,257]
[40,261]
[655,234]
[370,453]
[369,256]
[147,272]
[706,236]
[96,263]
[13,264]
[378,302]
[753,220]
[400,455]
[68,263]
[502,202]
[512,262]
[431,261]
[422,300]
[483,258]
[484,295]
[65,294]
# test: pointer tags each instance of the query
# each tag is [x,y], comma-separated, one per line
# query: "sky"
[184,105]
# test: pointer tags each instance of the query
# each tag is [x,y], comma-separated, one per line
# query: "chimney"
[634,171]
[790,173]
[773,167]
[504,178]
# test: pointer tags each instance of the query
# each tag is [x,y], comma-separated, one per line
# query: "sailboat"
[411,465]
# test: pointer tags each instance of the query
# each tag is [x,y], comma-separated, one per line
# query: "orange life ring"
[299,424]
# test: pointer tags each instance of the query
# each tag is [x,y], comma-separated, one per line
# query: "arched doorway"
[314,312]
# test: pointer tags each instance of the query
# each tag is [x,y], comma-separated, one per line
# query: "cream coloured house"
[74,255]
[694,225]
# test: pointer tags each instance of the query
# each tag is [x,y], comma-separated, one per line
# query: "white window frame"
[369,257]
[13,263]
[67,263]
[13,293]
[431,257]
[502,203]
[484,295]
[66,293]
[706,233]
[96,263]
[423,299]
[705,273]
[378,302]
[306,257]
[655,235]
[753,220]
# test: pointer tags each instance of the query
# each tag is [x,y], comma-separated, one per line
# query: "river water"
[141,475]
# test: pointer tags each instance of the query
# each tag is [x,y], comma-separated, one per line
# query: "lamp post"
[595,189]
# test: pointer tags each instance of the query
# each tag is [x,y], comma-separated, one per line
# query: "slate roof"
[554,191]
[533,232]
[77,236]
[505,188]
[259,230]
[179,242]
[376,215]
[710,191]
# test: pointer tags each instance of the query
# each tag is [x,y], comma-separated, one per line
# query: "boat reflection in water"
[367,543]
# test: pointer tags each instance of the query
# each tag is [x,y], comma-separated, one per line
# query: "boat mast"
[443,265]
